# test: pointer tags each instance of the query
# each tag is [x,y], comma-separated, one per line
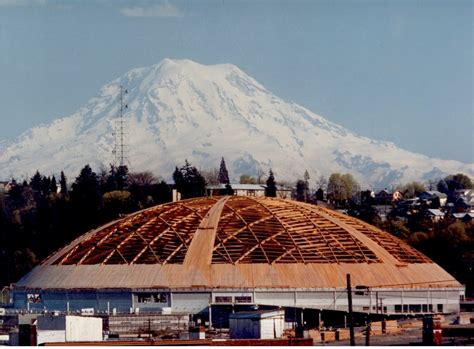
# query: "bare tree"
[322,182]
[142,179]
[246,179]
[260,176]
[211,176]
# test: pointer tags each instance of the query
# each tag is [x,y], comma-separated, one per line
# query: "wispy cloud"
[21,3]
[160,10]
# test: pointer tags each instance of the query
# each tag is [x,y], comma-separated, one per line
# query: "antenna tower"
[119,132]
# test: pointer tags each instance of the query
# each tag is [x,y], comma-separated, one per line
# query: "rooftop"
[235,241]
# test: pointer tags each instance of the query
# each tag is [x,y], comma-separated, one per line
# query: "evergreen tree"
[162,193]
[270,189]
[46,186]
[121,177]
[189,181]
[223,174]
[63,184]
[54,185]
[15,199]
[228,189]
[306,176]
[110,180]
[36,181]
[319,194]
[301,190]
[86,197]
[306,182]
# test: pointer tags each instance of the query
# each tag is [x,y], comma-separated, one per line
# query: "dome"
[249,230]
[236,242]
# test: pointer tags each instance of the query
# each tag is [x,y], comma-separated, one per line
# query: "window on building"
[415,308]
[152,297]
[243,299]
[223,299]
[440,308]
[33,298]
[398,308]
[405,308]
[430,307]
[365,308]
[425,308]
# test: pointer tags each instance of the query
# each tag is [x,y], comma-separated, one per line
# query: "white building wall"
[272,327]
[50,336]
[275,298]
[68,329]
[83,329]
[190,302]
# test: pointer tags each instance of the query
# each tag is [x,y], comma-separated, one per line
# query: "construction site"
[204,267]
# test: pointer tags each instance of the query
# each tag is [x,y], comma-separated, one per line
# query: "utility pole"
[367,332]
[351,317]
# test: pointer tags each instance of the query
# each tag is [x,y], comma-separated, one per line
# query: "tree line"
[39,215]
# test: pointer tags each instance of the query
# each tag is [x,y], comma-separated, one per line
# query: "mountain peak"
[179,109]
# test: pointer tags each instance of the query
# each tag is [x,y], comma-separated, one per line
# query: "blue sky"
[394,70]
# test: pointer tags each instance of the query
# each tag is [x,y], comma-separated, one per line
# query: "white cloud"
[21,3]
[161,10]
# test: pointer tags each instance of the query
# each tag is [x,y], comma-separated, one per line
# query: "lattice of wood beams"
[400,250]
[158,235]
[266,231]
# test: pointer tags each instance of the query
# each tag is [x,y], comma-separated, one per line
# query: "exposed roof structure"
[230,242]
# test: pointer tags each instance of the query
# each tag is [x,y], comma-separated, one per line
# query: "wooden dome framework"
[236,230]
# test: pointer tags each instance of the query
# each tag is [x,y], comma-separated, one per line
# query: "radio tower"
[119,149]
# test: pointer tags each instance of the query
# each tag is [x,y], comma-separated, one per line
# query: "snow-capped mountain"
[179,109]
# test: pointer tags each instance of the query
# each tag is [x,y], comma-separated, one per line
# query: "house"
[467,195]
[407,207]
[464,193]
[409,203]
[247,190]
[463,216]
[434,198]
[383,197]
[462,204]
[397,195]
[435,214]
